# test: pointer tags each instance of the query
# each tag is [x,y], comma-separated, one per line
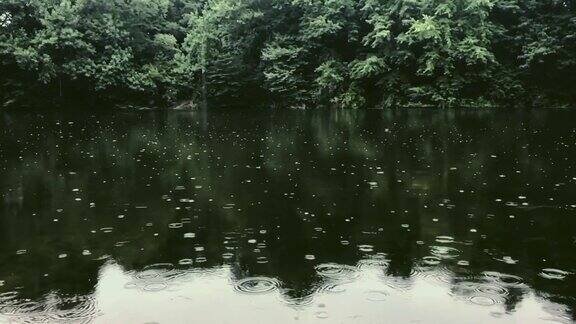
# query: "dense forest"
[290,53]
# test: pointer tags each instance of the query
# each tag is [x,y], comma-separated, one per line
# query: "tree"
[342,53]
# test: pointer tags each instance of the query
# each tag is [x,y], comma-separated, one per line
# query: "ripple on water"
[366,248]
[155,286]
[374,262]
[257,285]
[262,260]
[504,279]
[485,300]
[8,296]
[444,252]
[79,309]
[321,315]
[444,239]
[297,302]
[175,225]
[26,308]
[147,274]
[398,284]
[561,313]
[227,255]
[554,274]
[159,266]
[185,262]
[330,287]
[435,273]
[431,260]
[492,290]
[159,276]
[337,271]
[482,294]
[376,295]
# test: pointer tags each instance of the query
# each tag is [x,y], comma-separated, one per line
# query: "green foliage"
[345,53]
[370,67]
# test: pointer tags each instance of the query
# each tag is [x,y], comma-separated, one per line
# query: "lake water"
[288,216]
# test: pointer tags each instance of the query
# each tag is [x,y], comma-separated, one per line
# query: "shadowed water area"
[264,216]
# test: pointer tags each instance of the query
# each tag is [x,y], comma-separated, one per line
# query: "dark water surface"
[257,216]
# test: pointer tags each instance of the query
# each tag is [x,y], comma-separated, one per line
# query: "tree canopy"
[342,53]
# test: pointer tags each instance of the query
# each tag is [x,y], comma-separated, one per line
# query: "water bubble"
[257,285]
[310,257]
[189,235]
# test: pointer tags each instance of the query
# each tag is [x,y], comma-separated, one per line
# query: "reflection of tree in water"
[260,192]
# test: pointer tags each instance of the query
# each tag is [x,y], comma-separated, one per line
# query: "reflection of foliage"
[227,185]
